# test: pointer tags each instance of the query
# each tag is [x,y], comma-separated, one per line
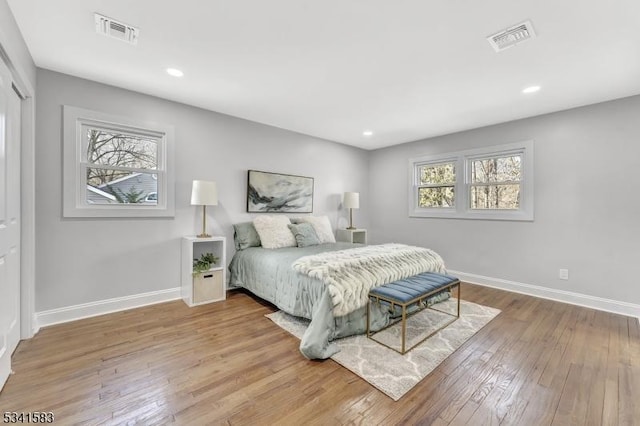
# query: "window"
[116,167]
[437,185]
[495,182]
[486,183]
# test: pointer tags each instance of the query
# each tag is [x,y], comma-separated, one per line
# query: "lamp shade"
[351,200]
[204,193]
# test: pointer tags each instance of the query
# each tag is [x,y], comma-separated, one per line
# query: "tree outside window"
[495,182]
[437,185]
[121,165]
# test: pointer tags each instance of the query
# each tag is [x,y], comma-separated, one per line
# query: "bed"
[288,277]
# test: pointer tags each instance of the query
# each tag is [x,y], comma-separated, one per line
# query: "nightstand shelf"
[358,236]
[208,286]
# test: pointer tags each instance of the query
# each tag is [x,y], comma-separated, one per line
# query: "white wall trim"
[593,302]
[101,307]
[28,189]
[28,217]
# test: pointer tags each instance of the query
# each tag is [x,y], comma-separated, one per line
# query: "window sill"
[519,216]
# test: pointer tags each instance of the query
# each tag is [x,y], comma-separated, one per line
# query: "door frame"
[28,325]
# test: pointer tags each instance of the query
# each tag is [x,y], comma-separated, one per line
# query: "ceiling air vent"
[112,28]
[511,36]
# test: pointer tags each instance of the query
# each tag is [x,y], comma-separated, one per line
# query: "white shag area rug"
[387,370]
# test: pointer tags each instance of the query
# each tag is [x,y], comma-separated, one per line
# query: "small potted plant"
[206,261]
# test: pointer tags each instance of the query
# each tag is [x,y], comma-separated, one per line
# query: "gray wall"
[586,185]
[12,42]
[587,203]
[86,260]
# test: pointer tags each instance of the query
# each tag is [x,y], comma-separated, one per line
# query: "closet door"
[9,221]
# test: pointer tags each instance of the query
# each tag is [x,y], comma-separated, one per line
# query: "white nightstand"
[209,286]
[352,236]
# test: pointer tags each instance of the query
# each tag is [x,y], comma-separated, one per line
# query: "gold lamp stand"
[204,223]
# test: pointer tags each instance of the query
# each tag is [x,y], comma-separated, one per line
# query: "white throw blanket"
[350,274]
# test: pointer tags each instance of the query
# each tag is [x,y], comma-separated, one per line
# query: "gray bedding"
[268,274]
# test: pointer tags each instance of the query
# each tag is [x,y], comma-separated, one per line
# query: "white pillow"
[322,227]
[274,232]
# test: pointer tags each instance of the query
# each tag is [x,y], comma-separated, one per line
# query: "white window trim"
[74,182]
[462,205]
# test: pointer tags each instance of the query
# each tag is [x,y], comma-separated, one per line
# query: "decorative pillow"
[245,235]
[273,231]
[322,227]
[305,234]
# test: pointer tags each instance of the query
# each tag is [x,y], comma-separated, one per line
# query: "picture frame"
[269,192]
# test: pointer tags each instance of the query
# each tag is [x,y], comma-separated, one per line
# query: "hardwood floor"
[539,362]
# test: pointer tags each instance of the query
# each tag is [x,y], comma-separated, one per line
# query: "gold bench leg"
[404,328]
[368,308]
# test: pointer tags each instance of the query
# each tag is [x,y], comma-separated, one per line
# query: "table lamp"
[351,201]
[204,194]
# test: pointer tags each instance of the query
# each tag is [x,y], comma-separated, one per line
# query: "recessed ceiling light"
[367,133]
[174,72]
[531,89]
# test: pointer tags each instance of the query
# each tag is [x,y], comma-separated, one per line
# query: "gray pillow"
[245,236]
[305,234]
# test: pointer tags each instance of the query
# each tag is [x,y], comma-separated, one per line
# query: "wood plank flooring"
[538,363]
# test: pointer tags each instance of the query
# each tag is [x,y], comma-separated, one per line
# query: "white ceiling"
[405,69]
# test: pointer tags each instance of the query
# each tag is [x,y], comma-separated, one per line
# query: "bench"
[410,296]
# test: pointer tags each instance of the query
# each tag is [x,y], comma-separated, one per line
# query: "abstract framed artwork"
[279,193]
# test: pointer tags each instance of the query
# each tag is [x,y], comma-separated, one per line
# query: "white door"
[9,222]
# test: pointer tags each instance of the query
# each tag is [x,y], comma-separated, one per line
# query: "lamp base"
[204,224]
[351,227]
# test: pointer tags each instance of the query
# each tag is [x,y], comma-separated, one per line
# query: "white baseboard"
[593,302]
[87,310]
[101,307]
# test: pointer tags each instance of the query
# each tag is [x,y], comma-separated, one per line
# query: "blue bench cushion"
[405,290]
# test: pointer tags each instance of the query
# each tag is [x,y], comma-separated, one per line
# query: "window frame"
[462,190]
[75,122]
